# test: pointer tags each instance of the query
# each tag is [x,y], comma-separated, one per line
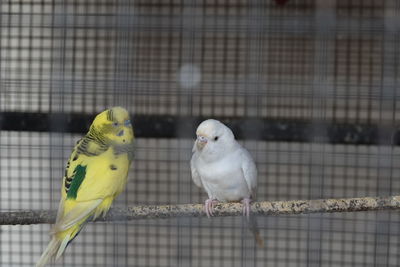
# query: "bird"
[96,173]
[224,169]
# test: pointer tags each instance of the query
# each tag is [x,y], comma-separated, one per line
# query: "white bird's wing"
[249,172]
[195,174]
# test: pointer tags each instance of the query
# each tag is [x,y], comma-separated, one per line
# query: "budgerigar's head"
[214,138]
[114,125]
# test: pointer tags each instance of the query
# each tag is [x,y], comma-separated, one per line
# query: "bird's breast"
[224,179]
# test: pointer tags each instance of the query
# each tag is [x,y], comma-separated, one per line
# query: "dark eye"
[115,124]
[216,138]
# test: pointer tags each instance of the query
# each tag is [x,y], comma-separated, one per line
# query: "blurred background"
[309,87]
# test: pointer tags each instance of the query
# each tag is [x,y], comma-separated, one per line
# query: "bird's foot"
[246,206]
[209,206]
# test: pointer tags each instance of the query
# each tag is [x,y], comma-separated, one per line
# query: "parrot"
[96,173]
[224,169]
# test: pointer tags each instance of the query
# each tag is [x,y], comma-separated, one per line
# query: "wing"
[84,149]
[76,212]
[89,176]
[249,172]
[71,211]
[88,180]
[106,176]
[195,174]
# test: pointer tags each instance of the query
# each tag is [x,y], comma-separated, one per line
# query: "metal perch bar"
[222,209]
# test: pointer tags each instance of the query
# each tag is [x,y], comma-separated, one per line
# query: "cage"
[310,88]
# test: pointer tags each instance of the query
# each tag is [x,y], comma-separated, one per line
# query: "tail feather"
[259,240]
[62,246]
[65,230]
[252,224]
[50,251]
[54,250]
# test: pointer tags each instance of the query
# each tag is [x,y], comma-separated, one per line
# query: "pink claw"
[209,206]
[246,206]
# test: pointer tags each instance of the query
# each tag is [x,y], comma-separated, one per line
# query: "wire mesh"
[310,61]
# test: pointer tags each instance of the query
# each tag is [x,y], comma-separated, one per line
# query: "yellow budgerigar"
[96,173]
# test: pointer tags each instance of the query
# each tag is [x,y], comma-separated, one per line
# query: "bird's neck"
[124,148]
[96,136]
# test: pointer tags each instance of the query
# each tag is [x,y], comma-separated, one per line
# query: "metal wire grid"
[316,60]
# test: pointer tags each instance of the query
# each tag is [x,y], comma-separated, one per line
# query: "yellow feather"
[103,156]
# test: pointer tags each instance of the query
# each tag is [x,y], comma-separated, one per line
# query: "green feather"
[80,173]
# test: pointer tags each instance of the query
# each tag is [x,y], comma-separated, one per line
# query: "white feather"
[223,167]
[249,170]
[48,254]
[60,209]
[195,175]
[63,245]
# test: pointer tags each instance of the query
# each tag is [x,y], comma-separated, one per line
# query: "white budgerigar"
[224,169]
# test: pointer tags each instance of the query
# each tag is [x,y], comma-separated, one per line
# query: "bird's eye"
[216,138]
[115,124]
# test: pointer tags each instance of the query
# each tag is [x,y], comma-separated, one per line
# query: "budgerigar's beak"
[201,142]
